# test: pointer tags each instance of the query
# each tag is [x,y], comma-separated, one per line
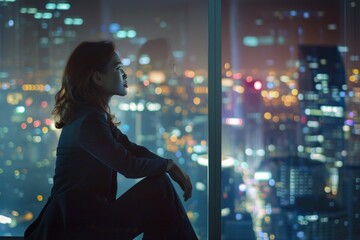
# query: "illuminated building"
[263,38]
[352,164]
[330,223]
[351,199]
[299,178]
[352,123]
[322,95]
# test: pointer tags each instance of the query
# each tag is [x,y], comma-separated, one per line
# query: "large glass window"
[163,46]
[290,100]
[290,167]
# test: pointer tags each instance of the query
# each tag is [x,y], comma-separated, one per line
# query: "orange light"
[267,116]
[39,198]
[228,73]
[197,101]
[28,216]
[189,74]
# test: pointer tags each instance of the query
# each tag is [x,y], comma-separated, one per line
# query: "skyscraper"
[322,87]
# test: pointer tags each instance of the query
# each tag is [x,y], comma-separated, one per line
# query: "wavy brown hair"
[77,87]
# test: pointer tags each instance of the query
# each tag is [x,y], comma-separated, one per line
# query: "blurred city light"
[5,220]
[262,176]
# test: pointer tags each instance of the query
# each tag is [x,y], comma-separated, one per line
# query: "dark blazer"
[89,154]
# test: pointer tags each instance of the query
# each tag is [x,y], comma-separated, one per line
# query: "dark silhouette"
[91,150]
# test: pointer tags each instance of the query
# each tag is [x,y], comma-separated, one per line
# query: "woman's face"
[113,80]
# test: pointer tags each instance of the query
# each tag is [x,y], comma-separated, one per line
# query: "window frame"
[214,119]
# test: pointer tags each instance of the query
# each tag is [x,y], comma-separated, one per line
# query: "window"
[290,73]
[163,47]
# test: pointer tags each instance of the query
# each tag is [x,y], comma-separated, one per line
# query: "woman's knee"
[160,183]
[158,179]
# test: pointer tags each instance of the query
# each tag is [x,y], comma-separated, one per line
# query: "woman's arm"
[96,138]
[135,149]
[175,172]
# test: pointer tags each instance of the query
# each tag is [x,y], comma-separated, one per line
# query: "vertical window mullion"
[214,119]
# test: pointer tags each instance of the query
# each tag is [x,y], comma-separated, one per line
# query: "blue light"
[37,131]
[125,128]
[114,27]
[270,85]
[178,54]
[178,154]
[300,234]
[78,21]
[131,34]
[63,6]
[161,130]
[47,87]
[251,41]
[160,151]
[144,59]
[50,6]
[68,21]
[238,216]
[121,34]
[11,23]
[272,182]
[126,61]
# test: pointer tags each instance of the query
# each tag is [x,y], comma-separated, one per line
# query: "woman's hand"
[182,179]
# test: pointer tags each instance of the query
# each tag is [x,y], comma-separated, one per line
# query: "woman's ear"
[97,78]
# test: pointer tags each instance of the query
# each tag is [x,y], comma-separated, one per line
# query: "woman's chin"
[122,93]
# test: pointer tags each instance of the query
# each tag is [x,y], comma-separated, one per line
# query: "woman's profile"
[92,150]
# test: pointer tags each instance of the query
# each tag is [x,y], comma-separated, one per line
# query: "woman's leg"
[153,207]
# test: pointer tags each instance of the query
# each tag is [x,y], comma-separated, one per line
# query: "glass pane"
[291,138]
[163,47]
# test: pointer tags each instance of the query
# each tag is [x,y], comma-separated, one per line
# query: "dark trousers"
[152,207]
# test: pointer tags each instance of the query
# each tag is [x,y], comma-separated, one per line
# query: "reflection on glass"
[163,52]
[290,120]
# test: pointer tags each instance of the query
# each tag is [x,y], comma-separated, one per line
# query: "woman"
[91,150]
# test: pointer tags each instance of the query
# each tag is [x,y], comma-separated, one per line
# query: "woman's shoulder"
[84,115]
[87,121]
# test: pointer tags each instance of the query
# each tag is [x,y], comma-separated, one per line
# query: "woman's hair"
[77,86]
